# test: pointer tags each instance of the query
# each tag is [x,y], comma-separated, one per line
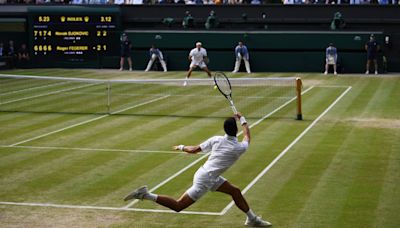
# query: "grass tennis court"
[339,167]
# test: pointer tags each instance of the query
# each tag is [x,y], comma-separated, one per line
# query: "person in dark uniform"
[12,55]
[126,46]
[372,48]
[23,56]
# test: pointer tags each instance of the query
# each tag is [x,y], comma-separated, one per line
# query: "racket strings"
[223,85]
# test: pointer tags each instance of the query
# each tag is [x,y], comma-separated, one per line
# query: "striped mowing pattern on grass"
[343,173]
[253,96]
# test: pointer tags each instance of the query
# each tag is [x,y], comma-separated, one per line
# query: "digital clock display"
[73,37]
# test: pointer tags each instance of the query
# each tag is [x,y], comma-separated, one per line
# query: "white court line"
[205,155]
[107,208]
[45,94]
[88,121]
[127,208]
[92,149]
[264,171]
[333,86]
[146,210]
[186,95]
[33,88]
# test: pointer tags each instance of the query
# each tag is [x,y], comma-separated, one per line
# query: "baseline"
[127,207]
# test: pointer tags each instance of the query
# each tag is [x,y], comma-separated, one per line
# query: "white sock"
[250,214]
[150,196]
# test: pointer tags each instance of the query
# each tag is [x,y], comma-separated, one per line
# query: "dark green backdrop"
[269,51]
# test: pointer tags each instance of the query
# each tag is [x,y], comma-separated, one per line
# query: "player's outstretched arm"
[188,149]
[246,129]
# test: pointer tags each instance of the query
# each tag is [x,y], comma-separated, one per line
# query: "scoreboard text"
[73,37]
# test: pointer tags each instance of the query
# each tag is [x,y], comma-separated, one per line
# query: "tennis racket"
[224,86]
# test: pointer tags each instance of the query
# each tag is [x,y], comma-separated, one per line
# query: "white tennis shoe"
[257,222]
[137,194]
[185,83]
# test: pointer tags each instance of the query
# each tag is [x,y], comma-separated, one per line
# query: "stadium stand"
[281,37]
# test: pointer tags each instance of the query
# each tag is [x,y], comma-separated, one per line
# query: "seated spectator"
[23,56]
[77,2]
[188,20]
[212,21]
[235,2]
[11,49]
[1,49]
[11,54]
[338,21]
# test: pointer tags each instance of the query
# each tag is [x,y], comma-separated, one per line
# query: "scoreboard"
[70,36]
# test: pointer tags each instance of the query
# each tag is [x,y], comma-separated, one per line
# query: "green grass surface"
[344,172]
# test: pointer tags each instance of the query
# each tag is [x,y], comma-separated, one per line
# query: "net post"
[298,94]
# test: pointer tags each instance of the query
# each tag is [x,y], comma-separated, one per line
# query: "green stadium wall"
[269,51]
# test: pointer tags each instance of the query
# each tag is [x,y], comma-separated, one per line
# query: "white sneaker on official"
[120,69]
[137,194]
[326,72]
[376,72]
[185,83]
[367,72]
[335,73]
[234,71]
[130,69]
[257,222]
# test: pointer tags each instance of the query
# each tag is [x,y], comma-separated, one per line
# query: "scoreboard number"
[73,36]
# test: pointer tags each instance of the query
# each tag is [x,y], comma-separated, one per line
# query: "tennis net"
[255,97]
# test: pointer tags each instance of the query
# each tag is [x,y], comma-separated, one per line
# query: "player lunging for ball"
[224,152]
[198,58]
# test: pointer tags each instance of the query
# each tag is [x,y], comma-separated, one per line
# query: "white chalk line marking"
[149,210]
[92,149]
[106,208]
[46,94]
[33,88]
[88,121]
[205,155]
[266,169]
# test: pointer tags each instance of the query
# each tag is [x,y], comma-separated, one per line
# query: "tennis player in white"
[198,58]
[224,152]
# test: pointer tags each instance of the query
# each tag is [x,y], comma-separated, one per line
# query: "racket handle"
[233,107]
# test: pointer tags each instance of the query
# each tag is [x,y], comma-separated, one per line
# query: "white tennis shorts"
[331,60]
[203,182]
[201,64]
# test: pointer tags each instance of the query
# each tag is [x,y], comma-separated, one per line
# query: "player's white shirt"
[197,55]
[225,150]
